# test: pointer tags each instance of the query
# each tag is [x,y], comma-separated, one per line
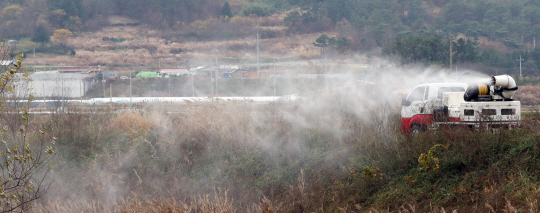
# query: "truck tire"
[416,128]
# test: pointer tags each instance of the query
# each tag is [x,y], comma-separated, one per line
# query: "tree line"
[428,49]
[392,25]
[370,23]
[373,23]
[435,50]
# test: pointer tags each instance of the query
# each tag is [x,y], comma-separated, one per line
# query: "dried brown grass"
[528,95]
[144,46]
[218,203]
[135,123]
[154,155]
[161,157]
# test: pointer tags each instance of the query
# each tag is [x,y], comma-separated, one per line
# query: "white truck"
[430,106]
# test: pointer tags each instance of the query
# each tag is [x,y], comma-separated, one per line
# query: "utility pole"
[298,83]
[326,71]
[451,42]
[274,77]
[258,76]
[217,68]
[57,85]
[520,60]
[130,97]
[534,42]
[211,80]
[63,91]
[102,80]
[192,86]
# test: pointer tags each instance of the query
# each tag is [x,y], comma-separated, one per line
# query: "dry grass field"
[145,47]
[337,151]
[233,157]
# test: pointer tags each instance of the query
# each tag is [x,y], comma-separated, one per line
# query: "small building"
[147,75]
[110,75]
[6,63]
[12,43]
[56,84]
[230,67]
[175,72]
[250,74]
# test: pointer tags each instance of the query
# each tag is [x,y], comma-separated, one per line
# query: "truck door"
[413,106]
[414,103]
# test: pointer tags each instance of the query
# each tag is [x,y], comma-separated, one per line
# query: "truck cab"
[417,111]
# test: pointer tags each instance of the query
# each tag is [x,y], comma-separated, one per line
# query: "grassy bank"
[313,156]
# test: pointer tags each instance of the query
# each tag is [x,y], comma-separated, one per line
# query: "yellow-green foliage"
[372,173]
[61,35]
[12,11]
[429,160]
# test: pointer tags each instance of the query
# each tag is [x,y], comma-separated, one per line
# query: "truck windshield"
[449,89]
[417,94]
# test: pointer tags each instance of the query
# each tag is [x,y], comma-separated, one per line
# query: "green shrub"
[257,8]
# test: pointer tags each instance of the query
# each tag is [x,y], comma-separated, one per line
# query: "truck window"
[508,111]
[449,89]
[489,112]
[417,94]
[468,112]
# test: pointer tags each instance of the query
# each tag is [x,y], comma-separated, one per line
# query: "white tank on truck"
[482,105]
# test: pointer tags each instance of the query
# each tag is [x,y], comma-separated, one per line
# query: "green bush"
[257,8]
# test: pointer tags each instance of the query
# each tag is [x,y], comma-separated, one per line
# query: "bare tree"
[24,154]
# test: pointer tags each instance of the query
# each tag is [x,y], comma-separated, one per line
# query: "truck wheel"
[416,128]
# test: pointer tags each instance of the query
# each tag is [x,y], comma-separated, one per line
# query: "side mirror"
[405,102]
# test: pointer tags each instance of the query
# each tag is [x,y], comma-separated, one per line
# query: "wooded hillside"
[494,33]
[367,23]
